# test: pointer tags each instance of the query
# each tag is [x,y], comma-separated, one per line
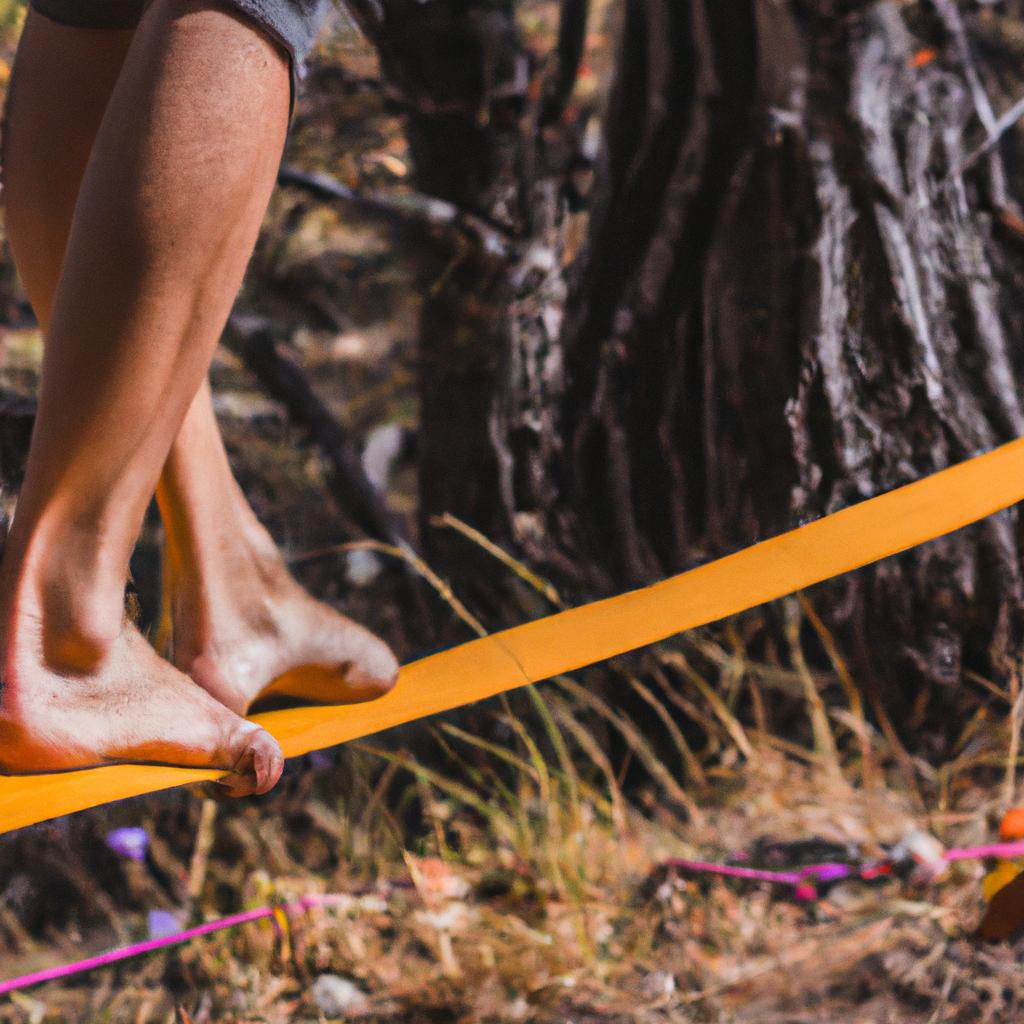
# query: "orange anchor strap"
[530,653]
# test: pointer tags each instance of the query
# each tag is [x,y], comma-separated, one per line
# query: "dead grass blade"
[1016,719]
[407,555]
[526,574]
[869,773]
[463,794]
[678,661]
[693,766]
[824,741]
[557,741]
[589,746]
[637,744]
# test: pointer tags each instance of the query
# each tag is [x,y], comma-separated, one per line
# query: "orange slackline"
[845,540]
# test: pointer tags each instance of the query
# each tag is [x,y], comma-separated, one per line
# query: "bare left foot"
[256,633]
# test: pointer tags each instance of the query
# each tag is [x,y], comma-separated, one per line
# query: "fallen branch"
[406,207]
[286,381]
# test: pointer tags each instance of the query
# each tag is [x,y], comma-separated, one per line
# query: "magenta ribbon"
[1004,850]
[174,939]
[802,881]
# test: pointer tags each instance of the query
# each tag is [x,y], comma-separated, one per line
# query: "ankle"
[219,587]
[68,582]
[79,631]
[225,558]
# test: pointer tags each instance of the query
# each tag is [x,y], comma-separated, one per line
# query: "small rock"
[383,446]
[339,997]
[658,985]
[361,567]
[925,852]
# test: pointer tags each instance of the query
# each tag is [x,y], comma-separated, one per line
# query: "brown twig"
[572,34]
[406,207]
[405,553]
[201,851]
[286,381]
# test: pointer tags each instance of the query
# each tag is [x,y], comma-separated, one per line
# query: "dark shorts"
[294,24]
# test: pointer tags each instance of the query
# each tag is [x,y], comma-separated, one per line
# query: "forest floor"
[516,872]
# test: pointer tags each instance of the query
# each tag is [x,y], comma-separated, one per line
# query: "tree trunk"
[486,132]
[798,292]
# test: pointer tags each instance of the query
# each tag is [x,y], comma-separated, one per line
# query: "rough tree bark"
[486,132]
[799,291]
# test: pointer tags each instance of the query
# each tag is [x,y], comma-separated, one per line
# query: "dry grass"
[529,888]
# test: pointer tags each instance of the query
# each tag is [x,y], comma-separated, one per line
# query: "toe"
[257,766]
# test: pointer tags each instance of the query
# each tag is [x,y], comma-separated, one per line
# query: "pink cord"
[136,949]
[176,938]
[802,882]
[1005,850]
[732,871]
[804,879]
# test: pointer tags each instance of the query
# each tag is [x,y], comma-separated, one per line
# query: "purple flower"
[162,923]
[129,842]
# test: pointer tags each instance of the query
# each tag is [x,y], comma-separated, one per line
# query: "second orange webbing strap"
[835,544]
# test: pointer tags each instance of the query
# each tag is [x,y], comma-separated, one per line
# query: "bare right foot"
[126,706]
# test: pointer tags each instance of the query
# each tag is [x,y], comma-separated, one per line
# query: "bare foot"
[130,706]
[257,633]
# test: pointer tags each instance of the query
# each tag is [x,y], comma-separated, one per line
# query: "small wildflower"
[162,923]
[131,842]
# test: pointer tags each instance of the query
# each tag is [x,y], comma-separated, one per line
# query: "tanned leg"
[239,623]
[63,79]
[172,197]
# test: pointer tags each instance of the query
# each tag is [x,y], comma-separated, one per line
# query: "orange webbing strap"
[535,651]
